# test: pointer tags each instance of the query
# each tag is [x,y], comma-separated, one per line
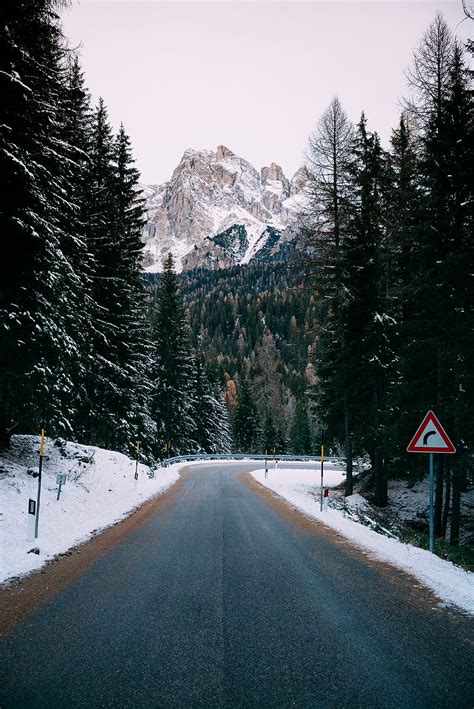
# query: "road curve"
[224,598]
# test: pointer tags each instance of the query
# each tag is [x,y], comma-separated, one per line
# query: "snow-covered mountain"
[218,210]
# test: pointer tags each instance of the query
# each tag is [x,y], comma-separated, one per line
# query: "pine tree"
[104,378]
[209,414]
[134,347]
[327,220]
[172,399]
[456,277]
[77,134]
[37,280]
[267,380]
[443,268]
[300,433]
[271,439]
[367,322]
[245,422]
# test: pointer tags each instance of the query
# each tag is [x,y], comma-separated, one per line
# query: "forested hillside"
[256,321]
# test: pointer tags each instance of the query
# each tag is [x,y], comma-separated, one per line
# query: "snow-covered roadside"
[99,491]
[300,487]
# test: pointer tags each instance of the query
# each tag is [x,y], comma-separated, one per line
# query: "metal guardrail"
[250,456]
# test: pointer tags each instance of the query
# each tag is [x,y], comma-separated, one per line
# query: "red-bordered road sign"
[431,437]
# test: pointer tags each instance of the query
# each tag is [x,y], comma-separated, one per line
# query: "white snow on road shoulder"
[99,491]
[450,583]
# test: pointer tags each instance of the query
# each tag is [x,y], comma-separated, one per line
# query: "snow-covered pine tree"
[117,382]
[172,398]
[458,276]
[209,413]
[105,377]
[134,345]
[37,279]
[443,265]
[76,114]
[429,79]
[367,323]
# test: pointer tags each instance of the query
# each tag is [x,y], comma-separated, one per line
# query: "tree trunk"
[4,438]
[5,425]
[447,499]
[381,493]
[438,509]
[348,447]
[458,485]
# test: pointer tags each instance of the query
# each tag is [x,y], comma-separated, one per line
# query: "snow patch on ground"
[99,491]
[300,487]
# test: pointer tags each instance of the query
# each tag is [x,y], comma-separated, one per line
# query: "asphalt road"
[220,598]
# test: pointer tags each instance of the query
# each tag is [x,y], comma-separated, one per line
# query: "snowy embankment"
[300,487]
[99,491]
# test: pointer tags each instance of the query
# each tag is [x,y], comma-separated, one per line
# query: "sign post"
[138,458]
[60,481]
[431,438]
[322,475]
[40,470]
[431,504]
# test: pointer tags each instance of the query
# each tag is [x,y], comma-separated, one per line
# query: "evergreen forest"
[80,354]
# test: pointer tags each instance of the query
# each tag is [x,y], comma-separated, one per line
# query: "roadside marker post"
[322,475]
[31,519]
[138,457]
[40,470]
[266,464]
[431,438]
[60,481]
[135,476]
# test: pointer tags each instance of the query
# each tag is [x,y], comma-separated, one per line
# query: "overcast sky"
[253,76]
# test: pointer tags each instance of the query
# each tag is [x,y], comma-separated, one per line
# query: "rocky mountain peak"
[223,152]
[216,210]
[299,180]
[272,173]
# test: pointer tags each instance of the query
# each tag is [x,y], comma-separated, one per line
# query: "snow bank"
[99,491]
[301,488]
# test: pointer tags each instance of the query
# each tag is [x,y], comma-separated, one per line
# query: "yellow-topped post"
[40,470]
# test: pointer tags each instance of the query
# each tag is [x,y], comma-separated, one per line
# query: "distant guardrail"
[251,456]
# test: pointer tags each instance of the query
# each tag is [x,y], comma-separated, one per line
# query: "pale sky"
[253,76]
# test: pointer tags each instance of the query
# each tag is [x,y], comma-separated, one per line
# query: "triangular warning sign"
[431,437]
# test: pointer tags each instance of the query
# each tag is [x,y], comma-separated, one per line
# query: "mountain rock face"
[218,210]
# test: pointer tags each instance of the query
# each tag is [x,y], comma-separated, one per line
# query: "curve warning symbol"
[431,437]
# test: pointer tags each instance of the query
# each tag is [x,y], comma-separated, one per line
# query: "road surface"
[223,597]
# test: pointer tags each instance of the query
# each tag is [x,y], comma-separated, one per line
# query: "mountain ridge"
[218,210]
